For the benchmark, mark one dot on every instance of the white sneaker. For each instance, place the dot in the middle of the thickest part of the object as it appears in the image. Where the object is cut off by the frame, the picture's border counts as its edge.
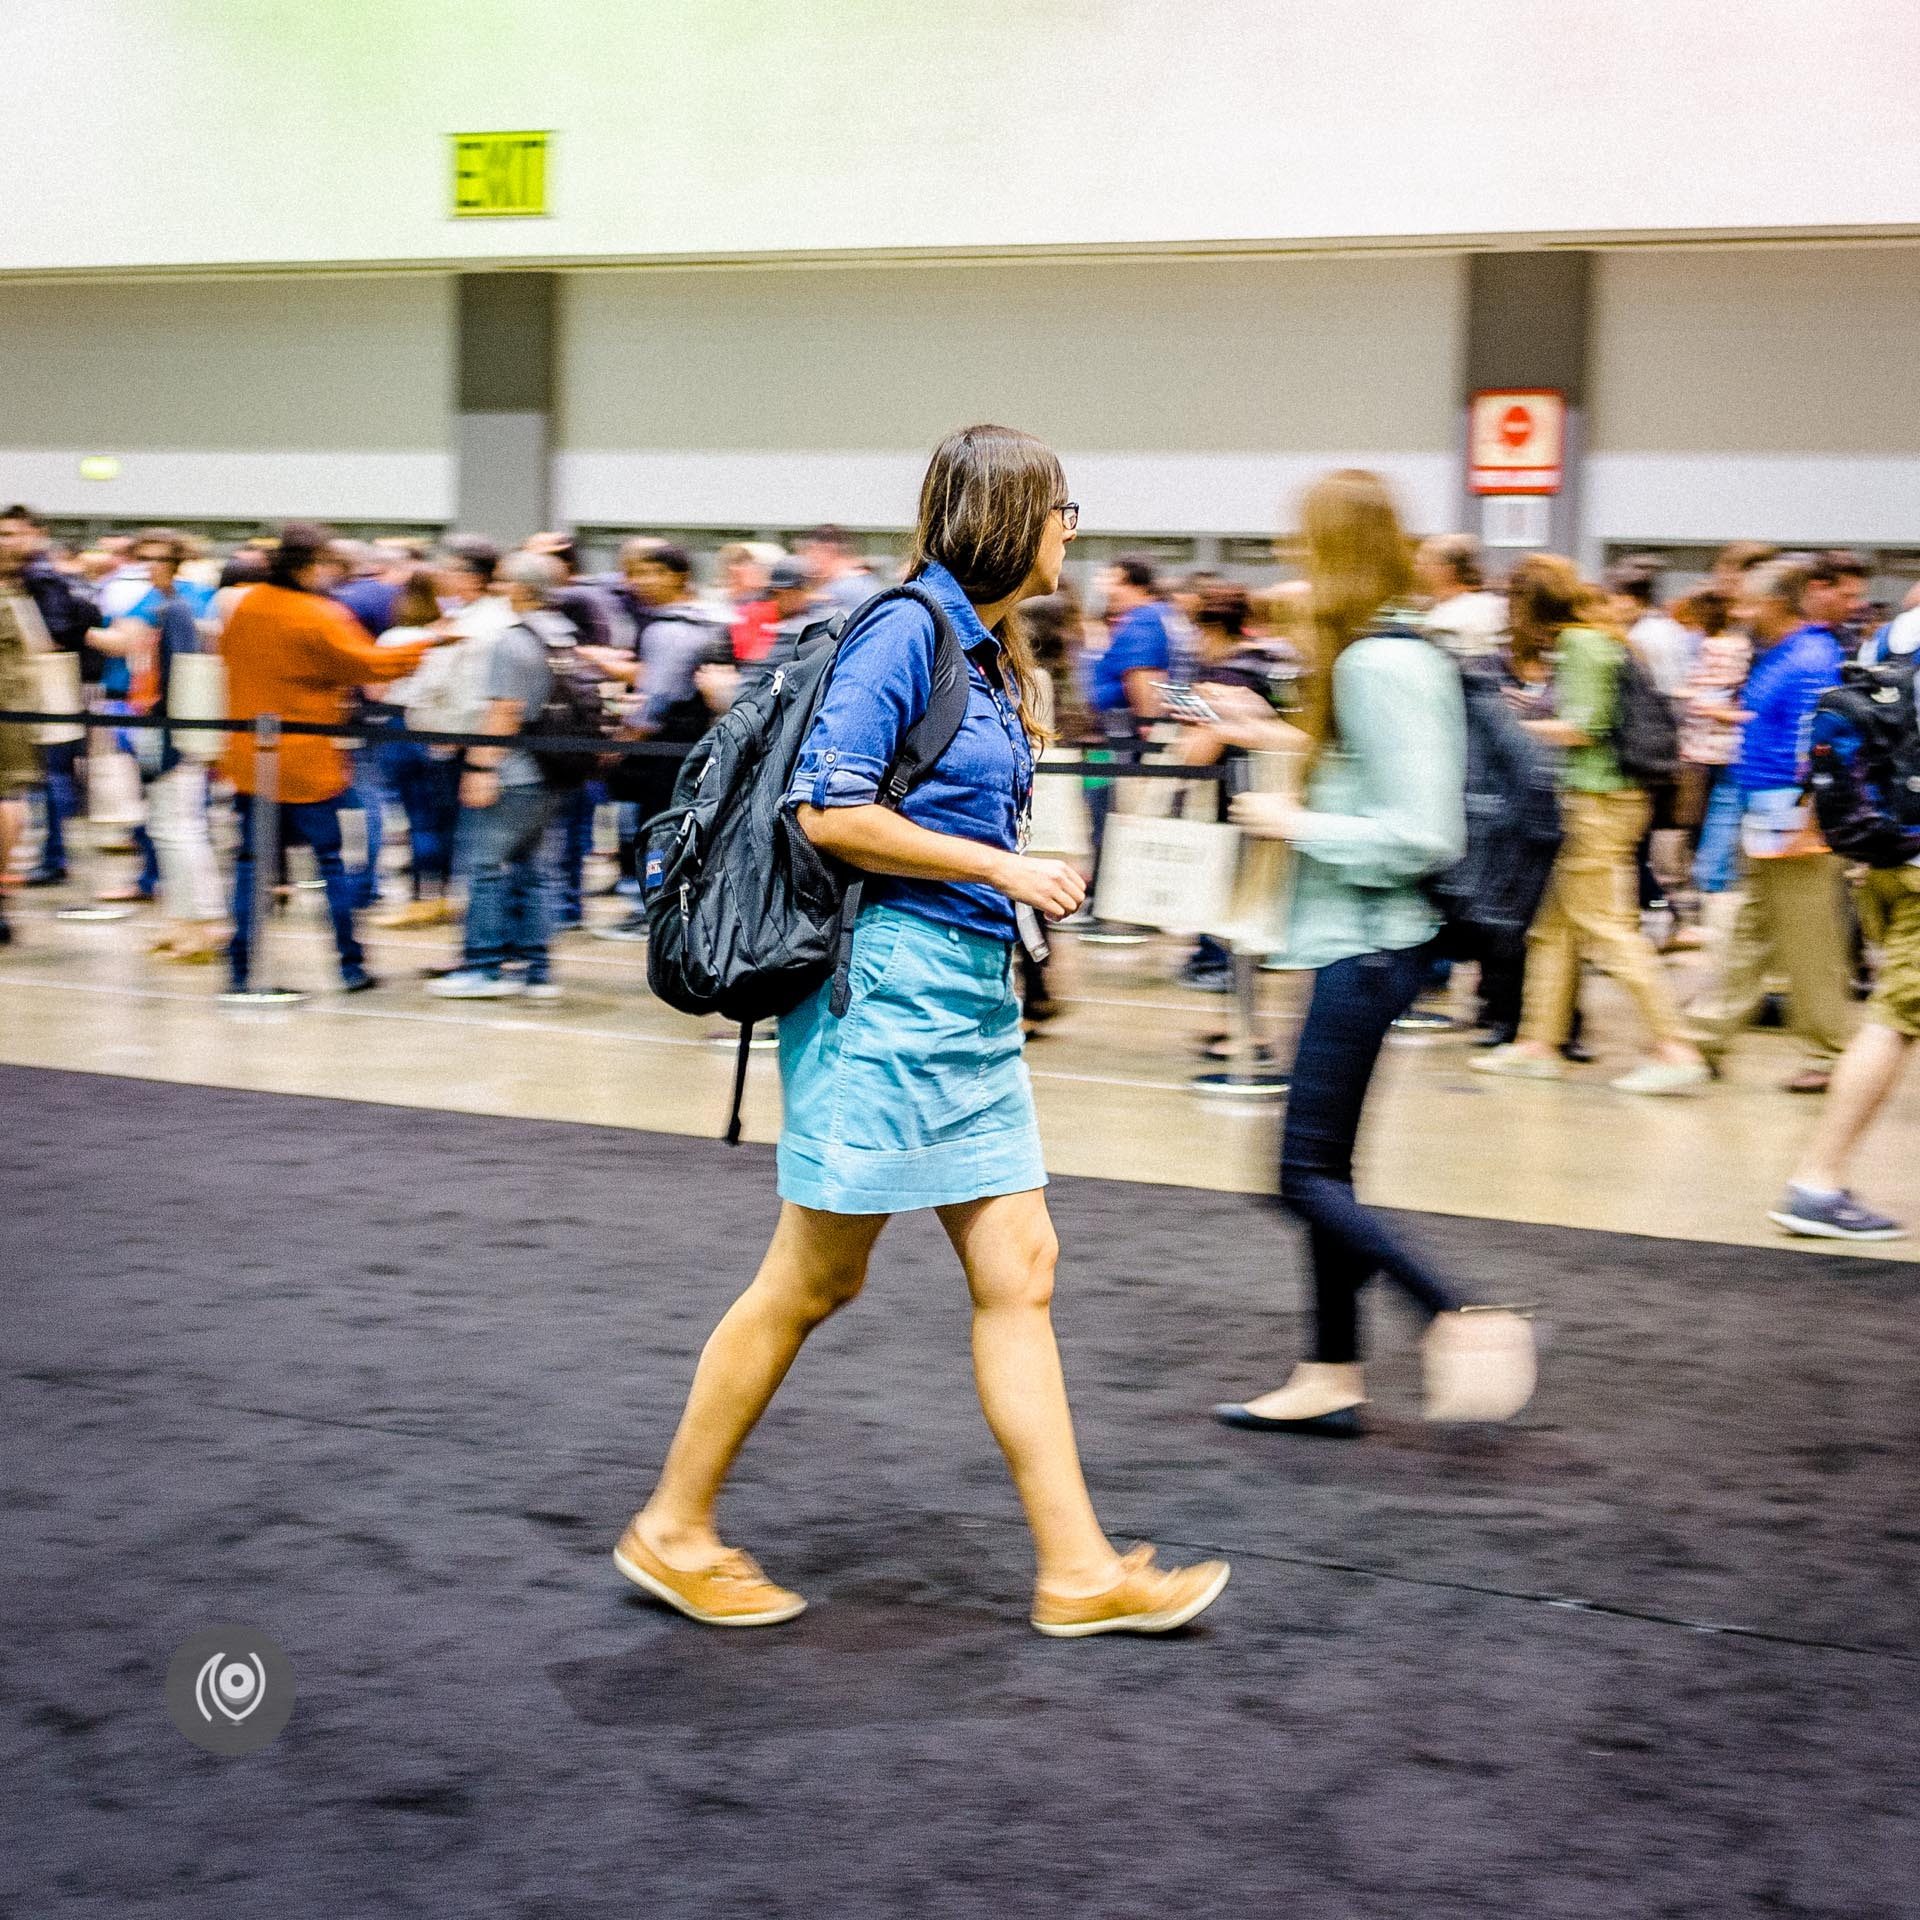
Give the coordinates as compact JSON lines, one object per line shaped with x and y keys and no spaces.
{"x":468,"y":984}
{"x":543,"y":990}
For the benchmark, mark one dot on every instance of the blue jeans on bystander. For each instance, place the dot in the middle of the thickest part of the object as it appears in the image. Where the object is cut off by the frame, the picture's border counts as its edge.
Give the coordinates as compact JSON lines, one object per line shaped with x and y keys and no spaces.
{"x":506,"y":885}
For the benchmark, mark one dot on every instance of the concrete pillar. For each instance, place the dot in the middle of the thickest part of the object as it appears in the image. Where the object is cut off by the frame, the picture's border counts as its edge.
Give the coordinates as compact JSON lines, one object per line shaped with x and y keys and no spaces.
{"x":503,"y":458}
{"x":1527,"y":326}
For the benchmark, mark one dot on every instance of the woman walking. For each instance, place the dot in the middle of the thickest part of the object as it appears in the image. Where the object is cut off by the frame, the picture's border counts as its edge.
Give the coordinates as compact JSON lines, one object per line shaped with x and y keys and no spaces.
{"x":427,"y":779}
{"x":1383,"y":742}
{"x":918,"y":1095}
{"x":1591,"y":910}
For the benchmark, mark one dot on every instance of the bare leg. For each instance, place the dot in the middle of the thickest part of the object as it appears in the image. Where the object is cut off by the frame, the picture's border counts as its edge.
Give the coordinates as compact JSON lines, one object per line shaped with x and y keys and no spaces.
{"x":1865,"y":1075}
{"x":816,"y":1264}
{"x":1008,"y":1248}
{"x":11,"y":815}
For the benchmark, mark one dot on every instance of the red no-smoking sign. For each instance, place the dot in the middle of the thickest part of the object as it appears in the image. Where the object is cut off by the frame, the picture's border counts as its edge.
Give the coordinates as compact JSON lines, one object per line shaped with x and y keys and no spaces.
{"x":1516,"y":440}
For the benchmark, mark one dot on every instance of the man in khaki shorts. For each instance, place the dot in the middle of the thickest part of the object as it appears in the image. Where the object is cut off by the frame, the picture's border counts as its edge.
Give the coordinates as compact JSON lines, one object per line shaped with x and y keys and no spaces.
{"x":1818,"y":1202}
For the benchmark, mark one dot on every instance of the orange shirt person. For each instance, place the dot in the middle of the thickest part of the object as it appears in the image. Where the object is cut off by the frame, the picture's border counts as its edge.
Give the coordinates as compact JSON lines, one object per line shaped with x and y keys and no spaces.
{"x":293,"y":652}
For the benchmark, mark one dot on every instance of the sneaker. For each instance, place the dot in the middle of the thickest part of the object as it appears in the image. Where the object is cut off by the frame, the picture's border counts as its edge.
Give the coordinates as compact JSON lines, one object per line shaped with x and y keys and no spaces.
{"x":1145,"y":1599}
{"x":1516,"y":1065}
{"x":357,"y":980}
{"x":542,"y":990}
{"x":1206,"y":979}
{"x":1833,"y":1216}
{"x":1664,"y":1077}
{"x":46,"y":877}
{"x":471,"y":984}
{"x":633,"y":928}
{"x":731,"y":1592}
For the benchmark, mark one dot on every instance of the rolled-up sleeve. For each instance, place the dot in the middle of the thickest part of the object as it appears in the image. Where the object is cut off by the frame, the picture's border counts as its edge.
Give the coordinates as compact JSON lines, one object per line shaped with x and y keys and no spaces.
{"x":1403,"y":727}
{"x":880,"y":685}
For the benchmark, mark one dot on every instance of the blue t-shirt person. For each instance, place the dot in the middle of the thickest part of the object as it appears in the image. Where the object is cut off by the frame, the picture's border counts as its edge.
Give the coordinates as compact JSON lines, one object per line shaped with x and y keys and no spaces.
{"x":981,"y":787}
{"x":1141,"y":638}
{"x":1783,"y":687}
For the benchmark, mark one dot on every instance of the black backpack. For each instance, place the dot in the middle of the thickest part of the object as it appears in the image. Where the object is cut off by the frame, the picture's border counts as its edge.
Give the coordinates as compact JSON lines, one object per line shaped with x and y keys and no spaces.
{"x":1646,"y":731}
{"x":572,"y":711}
{"x":1489,"y":896}
{"x":745,"y":918}
{"x":1865,"y":765}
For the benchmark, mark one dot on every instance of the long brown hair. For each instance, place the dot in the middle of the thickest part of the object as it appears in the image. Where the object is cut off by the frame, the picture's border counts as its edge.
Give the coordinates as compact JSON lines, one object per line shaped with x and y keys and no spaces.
{"x":415,"y":605}
{"x":983,"y":513}
{"x":1358,"y":562}
{"x":1545,"y":596}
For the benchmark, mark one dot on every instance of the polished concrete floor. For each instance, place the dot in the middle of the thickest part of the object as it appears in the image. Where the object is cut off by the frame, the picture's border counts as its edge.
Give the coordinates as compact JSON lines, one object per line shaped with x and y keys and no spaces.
{"x":1112,"y":1077}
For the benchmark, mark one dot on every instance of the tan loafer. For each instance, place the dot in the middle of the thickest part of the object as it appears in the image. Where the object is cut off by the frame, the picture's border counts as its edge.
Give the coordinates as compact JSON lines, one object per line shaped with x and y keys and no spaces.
{"x":729,"y":1592}
{"x":1145,"y":1599}
{"x":1479,"y":1364}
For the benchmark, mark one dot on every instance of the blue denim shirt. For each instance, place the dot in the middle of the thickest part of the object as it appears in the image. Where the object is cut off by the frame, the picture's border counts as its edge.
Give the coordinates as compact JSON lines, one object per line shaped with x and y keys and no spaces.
{"x":1783,"y":687}
{"x":980,"y":789}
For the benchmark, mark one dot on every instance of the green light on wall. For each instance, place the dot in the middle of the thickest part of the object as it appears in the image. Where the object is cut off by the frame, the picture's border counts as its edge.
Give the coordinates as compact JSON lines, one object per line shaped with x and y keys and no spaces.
{"x":99,"y":466}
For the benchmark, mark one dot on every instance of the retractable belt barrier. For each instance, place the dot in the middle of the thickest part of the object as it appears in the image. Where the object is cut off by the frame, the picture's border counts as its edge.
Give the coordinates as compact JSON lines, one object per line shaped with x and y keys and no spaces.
{"x":267,"y":730}
{"x":370,"y":733}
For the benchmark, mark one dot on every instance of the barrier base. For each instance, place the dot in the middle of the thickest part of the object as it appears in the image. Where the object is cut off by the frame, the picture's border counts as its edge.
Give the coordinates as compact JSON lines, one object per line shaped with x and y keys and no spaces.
{"x":1257,"y":1085}
{"x":262,"y":997}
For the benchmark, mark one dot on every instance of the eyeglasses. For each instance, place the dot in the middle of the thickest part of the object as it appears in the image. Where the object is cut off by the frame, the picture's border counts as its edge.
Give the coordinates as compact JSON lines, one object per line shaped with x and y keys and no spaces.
{"x":1069,"y":512}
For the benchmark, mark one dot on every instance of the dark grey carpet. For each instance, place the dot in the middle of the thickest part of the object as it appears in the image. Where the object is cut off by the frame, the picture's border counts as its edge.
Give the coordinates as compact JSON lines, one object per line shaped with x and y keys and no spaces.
{"x":386,"y":1384}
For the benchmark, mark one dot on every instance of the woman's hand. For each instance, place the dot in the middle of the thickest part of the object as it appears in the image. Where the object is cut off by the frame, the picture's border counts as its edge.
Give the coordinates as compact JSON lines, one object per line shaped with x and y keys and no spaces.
{"x":1051,"y":887}
{"x":717,"y":684}
{"x":1268,"y":816}
{"x":1247,"y":721}
{"x":479,"y":787}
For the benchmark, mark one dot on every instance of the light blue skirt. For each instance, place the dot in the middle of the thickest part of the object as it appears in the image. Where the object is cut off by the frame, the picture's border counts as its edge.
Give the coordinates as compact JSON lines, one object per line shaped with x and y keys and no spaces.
{"x":918,"y":1096}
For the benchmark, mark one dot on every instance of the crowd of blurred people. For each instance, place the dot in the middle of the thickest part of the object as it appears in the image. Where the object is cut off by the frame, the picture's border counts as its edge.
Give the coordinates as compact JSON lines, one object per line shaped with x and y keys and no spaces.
{"x":1681,"y":834}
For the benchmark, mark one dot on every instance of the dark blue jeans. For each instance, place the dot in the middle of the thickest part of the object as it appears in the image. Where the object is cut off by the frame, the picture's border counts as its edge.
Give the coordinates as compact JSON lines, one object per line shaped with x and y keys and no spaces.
{"x":60,"y":801}
{"x":506,"y":885}
{"x":314,"y":824}
{"x":1354,"y":1003}
{"x":369,"y":794}
{"x":575,"y":823}
{"x":429,"y":794}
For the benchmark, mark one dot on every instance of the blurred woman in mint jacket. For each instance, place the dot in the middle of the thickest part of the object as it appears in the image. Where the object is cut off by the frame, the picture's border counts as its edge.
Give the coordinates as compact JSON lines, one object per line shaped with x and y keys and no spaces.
{"x":1382,"y":745}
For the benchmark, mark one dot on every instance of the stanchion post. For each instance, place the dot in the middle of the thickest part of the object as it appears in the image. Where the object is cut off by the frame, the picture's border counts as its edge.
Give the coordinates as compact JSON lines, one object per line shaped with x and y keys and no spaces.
{"x":266,"y":833}
{"x":264,"y":819}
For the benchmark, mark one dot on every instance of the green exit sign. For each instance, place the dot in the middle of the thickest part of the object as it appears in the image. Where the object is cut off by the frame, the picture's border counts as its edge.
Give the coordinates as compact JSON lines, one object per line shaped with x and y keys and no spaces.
{"x":499,"y":175}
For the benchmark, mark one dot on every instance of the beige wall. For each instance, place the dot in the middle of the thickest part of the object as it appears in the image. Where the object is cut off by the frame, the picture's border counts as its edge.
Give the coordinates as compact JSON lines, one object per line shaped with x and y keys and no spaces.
{"x":1758,"y":351}
{"x":321,"y":361}
{"x":1248,"y":356}
{"x":1186,"y":397}
{"x":1756,"y":393}
{"x":245,"y":132}
{"x":325,"y":394}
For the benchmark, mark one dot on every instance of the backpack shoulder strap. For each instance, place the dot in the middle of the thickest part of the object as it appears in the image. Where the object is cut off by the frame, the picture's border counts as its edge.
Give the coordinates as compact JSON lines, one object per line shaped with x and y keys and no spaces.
{"x":932,"y":734}
{"x":926,"y":740}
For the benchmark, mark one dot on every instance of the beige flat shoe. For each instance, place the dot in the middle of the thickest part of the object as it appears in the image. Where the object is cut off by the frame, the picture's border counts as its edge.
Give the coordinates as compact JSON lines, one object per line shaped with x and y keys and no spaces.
{"x":1145,"y":1599}
{"x":1480,"y":1364}
{"x":729,"y":1592}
